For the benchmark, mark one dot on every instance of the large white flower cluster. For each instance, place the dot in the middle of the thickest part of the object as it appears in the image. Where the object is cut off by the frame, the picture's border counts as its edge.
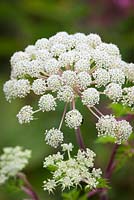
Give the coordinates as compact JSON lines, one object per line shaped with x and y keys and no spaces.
{"x":67,"y":67}
{"x":12,"y":161}
{"x":73,"y":171}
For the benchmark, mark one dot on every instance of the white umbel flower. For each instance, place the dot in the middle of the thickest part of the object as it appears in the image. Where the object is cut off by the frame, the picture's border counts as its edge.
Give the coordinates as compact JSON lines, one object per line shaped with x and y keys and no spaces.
{"x":86,"y":157}
{"x":73,"y":119}
{"x":25,"y":115}
{"x":102,"y":59}
{"x":82,"y":65}
{"x":83,"y":55}
{"x":52,"y":159}
{"x":84,"y":80}
{"x":123,"y":131}
{"x":59,"y":38}
{"x":52,"y":66}
{"x":69,"y":78}
{"x":54,"y":82}
{"x":49,"y":185}
{"x":117,"y":76}
{"x":129,"y":71}
{"x":93,"y":40}
{"x":8,"y":89}
{"x":58,"y":49}
{"x":22,"y":88}
{"x":106,"y":126}
{"x":12,"y":161}
{"x":101,"y":77}
{"x":20,"y":69}
{"x":47,"y":103}
{"x":90,"y":97}
{"x":128,"y":96}
{"x":16,"y":88}
{"x":82,"y":47}
{"x":67,"y":58}
{"x":42,"y":43}
{"x":30,"y":49}
{"x":67,"y":147}
{"x":110,"y":49}
{"x":39,"y":86}
{"x":97,"y":172}
{"x":80,"y":38}
{"x":42,"y":55}
{"x":19,"y":56}
{"x":35,"y":68}
{"x":54,"y":137}
{"x":72,"y":171}
{"x":65,"y":94}
{"x":113,"y":91}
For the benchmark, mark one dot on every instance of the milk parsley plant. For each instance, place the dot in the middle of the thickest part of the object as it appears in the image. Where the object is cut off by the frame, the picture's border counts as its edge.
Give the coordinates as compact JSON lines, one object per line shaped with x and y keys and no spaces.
{"x":65,"y":68}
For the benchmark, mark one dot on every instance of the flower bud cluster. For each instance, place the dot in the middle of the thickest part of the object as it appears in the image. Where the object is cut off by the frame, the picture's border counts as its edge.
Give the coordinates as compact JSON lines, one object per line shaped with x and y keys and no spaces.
{"x":73,"y":171}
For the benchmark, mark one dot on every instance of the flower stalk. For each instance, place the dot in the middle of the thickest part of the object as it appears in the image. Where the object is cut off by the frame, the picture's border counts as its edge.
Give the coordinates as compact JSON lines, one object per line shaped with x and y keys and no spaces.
{"x":27,"y":188}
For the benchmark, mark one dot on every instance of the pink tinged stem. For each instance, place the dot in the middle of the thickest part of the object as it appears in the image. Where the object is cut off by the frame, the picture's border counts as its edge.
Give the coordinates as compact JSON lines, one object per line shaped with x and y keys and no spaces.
{"x":63,"y":115}
{"x":93,"y":112}
{"x":80,"y":139}
{"x":97,"y":110}
{"x":111,"y":163}
{"x":27,"y":188}
{"x":103,"y":195}
{"x":94,"y":192}
{"x":78,"y":134}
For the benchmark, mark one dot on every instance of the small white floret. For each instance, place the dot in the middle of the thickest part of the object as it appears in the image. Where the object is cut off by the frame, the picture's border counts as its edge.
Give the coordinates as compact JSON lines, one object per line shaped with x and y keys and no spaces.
{"x":47,"y":103}
{"x":90,"y":97}
{"x":73,"y":119}
{"x":54,"y":137}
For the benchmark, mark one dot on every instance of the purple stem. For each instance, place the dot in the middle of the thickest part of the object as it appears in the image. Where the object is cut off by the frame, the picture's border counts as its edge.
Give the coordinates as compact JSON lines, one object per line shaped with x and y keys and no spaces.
{"x":78,"y":134}
{"x":93,"y":192}
{"x":111,"y":163}
{"x":128,"y":117}
{"x":80,"y":139}
{"x":27,"y":188}
{"x":103,"y":195}
{"x":28,"y":192}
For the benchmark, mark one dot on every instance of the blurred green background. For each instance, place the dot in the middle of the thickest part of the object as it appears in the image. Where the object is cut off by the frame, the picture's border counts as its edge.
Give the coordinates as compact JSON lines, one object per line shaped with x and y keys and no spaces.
{"x":22,"y":22}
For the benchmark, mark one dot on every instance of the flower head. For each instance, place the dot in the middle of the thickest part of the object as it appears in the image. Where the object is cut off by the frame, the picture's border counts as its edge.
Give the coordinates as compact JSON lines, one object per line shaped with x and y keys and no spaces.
{"x":47,"y":102}
{"x":12,"y":161}
{"x":25,"y":115}
{"x":90,"y":97}
{"x":72,"y":171}
{"x":70,"y":67}
{"x":54,"y":137}
{"x":73,"y":119}
{"x":39,"y":86}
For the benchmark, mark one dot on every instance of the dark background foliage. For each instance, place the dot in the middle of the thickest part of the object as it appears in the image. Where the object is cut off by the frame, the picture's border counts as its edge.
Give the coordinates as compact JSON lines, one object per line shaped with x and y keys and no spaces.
{"x":22,"y":22}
